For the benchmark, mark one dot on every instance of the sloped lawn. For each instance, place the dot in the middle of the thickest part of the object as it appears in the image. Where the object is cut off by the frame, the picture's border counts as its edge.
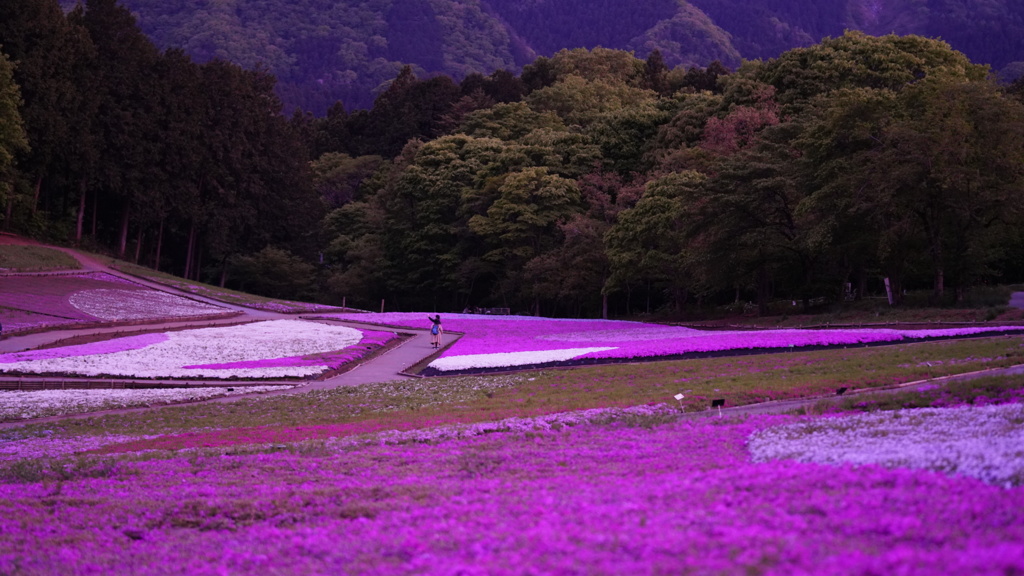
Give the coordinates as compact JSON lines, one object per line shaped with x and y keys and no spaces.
{"x":40,"y":302}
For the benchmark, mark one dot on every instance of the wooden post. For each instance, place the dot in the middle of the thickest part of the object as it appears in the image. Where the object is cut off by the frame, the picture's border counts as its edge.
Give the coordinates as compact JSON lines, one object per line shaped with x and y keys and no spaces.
{"x":381,"y":305}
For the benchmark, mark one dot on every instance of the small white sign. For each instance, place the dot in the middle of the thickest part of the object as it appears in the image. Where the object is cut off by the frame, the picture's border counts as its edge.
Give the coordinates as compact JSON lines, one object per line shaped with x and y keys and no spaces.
{"x":679,"y":396}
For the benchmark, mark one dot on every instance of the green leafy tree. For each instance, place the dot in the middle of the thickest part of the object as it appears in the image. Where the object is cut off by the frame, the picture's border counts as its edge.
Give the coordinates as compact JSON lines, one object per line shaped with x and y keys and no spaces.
{"x":939,"y":163}
{"x":510,"y":121}
{"x":127,"y":123}
{"x":581,"y":102}
{"x":337,"y":177}
{"x":648,"y":242}
{"x":522,"y":223}
{"x":856,"y":59}
{"x":54,"y":59}
{"x":573,"y":273}
{"x":12,"y":133}
{"x":274,"y":273}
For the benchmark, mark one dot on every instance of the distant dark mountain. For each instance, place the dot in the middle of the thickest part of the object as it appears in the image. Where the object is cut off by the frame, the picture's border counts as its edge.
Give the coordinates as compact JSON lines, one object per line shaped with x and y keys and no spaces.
{"x":989,"y":32}
{"x":323,"y":51}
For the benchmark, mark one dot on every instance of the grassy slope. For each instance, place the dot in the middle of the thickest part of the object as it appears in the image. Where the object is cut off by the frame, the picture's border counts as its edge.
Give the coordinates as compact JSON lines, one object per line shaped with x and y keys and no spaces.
{"x":208,"y":291}
{"x":20,"y":258}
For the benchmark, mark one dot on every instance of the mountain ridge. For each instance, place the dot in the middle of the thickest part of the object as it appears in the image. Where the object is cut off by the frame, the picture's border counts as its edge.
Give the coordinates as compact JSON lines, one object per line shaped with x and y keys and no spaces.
{"x":323,"y":52}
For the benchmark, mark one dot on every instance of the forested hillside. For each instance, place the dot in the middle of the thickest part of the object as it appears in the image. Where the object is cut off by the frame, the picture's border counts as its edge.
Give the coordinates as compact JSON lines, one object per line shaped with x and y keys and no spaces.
{"x":592,"y":181}
{"x":322,"y":51}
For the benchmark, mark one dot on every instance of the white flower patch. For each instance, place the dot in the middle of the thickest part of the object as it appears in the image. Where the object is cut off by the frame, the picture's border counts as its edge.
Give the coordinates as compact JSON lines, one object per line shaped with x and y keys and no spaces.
{"x":16,"y":405}
{"x":983,"y":442}
{"x":112,"y":304}
{"x":508,"y":359}
{"x":220,"y":345}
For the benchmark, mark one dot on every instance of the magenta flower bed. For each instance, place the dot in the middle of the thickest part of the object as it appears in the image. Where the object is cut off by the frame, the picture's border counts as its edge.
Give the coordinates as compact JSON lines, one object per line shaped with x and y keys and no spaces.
{"x":102,"y":347}
{"x":495,"y":342}
{"x":683,"y":498}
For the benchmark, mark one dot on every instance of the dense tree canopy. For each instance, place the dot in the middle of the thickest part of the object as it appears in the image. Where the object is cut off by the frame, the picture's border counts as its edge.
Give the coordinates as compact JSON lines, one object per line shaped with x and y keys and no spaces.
{"x":12,"y":132}
{"x":178,"y":165}
{"x":593,"y":183}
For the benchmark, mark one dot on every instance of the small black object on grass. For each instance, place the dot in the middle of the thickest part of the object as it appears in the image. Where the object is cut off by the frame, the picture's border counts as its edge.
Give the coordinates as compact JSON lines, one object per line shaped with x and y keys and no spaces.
{"x":841,"y":391}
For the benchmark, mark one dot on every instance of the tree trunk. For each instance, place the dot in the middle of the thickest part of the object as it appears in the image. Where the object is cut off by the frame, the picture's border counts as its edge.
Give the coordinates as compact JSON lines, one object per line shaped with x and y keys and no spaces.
{"x":81,"y":214}
{"x":762,"y":292}
{"x":199,"y":260}
{"x":95,"y":203}
{"x":862,"y":284}
{"x":939,"y":284}
{"x":604,"y":306}
{"x":188,"y":251}
{"x":138,"y":244}
{"x":935,"y":250}
{"x":159,"y":245}
{"x":35,"y":197}
{"x":123,"y":242}
{"x":223,"y":271}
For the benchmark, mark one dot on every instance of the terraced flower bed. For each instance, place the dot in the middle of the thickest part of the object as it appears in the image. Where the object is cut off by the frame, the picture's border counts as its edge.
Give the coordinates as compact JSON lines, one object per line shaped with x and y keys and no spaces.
{"x":502,"y":342}
{"x":259,"y":350}
{"x":36,"y":302}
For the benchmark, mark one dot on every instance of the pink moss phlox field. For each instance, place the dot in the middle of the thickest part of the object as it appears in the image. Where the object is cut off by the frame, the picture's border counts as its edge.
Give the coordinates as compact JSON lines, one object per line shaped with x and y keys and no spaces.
{"x":516,"y":334}
{"x":103,"y":347}
{"x":372,"y":340}
{"x":680,"y":498}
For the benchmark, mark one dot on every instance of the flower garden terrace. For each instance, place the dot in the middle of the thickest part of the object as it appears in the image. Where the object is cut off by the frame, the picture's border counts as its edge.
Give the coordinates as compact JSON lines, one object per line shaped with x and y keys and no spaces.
{"x":589,"y":470}
{"x":300,"y":348}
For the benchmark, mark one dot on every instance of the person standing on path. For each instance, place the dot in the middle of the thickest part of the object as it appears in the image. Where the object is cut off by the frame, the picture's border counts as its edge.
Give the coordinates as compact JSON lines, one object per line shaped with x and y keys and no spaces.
{"x":435,"y":331}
